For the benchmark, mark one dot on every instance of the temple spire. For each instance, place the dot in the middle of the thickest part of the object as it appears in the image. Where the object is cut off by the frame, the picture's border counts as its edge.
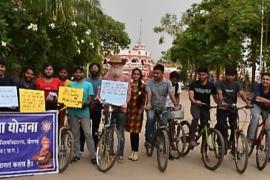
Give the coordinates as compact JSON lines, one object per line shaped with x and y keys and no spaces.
{"x":140,"y":33}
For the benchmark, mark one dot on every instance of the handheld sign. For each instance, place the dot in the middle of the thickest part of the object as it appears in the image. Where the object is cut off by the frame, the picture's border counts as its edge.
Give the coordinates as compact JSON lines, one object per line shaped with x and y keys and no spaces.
{"x":8,"y":96}
{"x":32,"y":100}
{"x":71,"y":97}
{"x":114,"y":92}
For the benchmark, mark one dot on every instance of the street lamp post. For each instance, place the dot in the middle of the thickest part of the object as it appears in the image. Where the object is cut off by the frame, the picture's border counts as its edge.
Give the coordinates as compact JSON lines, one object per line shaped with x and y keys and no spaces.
{"x":261,"y":45}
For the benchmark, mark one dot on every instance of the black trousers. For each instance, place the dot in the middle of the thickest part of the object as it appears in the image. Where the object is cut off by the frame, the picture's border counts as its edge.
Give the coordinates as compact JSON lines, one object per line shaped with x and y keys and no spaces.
{"x":222,"y":116}
{"x":198,"y":113}
{"x":95,"y":115}
{"x":134,"y":140}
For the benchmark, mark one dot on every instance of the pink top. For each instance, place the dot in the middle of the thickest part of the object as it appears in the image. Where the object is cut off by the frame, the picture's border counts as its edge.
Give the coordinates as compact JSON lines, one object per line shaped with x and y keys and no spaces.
{"x":123,"y":78}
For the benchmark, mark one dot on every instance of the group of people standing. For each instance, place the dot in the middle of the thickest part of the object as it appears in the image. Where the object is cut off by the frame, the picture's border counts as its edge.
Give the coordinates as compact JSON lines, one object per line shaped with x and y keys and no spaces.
{"x":85,"y":121}
{"x":156,"y":93}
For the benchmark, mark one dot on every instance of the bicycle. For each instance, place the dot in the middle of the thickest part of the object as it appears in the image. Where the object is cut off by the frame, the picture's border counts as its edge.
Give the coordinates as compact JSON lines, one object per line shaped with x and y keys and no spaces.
{"x":176,"y":135}
{"x":261,"y":142}
{"x":212,"y":145}
{"x":160,"y":139}
{"x":108,"y":144}
{"x":65,"y":142}
{"x":239,"y":148}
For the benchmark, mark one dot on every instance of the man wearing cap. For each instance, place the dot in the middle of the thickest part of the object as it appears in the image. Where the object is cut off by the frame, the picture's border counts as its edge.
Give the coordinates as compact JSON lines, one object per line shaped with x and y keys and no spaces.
{"x":119,"y":112}
{"x":80,"y":116}
{"x":228,"y":89}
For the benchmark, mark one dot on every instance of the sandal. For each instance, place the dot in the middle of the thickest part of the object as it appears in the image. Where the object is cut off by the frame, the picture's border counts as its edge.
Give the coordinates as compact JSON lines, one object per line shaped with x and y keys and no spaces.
{"x":121,"y":159}
{"x":135,"y":157}
{"x":131,"y":156}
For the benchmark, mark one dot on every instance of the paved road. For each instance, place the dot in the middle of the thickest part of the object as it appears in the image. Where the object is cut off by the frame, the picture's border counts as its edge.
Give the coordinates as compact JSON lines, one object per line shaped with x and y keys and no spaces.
{"x":189,"y":167}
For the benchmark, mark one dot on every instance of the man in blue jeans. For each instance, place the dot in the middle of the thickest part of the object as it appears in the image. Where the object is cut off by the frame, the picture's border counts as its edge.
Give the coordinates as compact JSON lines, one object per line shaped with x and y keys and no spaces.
{"x":261,"y":106}
{"x":157,"y":90}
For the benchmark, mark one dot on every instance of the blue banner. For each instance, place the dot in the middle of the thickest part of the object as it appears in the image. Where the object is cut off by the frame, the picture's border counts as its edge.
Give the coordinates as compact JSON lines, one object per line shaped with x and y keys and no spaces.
{"x":28,"y":143}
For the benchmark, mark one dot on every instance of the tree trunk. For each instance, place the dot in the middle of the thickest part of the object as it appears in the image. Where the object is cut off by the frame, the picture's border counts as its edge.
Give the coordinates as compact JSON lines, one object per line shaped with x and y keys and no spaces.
{"x":218,"y":73}
{"x":265,"y":42}
{"x":253,"y":60}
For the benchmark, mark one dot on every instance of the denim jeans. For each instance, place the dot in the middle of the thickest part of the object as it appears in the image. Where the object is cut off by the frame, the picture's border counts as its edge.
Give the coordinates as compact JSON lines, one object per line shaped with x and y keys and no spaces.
{"x":149,"y":127}
{"x":119,"y":118}
{"x":75,"y":123}
{"x":256,"y":112}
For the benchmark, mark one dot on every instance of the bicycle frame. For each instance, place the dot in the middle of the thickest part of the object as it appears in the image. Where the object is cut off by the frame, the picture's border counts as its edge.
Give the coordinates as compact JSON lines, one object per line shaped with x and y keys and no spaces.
{"x":205,"y":129}
{"x":159,"y":123}
{"x":263,"y":129}
{"x":237,"y":109}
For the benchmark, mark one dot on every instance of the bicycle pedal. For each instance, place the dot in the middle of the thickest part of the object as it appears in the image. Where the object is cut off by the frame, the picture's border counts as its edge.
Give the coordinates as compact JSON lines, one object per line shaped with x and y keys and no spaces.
{"x":98,"y":134}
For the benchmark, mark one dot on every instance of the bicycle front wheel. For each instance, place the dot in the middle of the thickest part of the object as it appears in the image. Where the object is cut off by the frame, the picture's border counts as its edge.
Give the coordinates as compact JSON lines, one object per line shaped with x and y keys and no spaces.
{"x":177,"y":141}
{"x":240,"y":152}
{"x":212,"y":149}
{"x":186,"y":139}
{"x":107,"y":149}
{"x":253,"y":143}
{"x":262,"y":150}
{"x":65,"y":149}
{"x":162,"y":149}
{"x":149,"y":149}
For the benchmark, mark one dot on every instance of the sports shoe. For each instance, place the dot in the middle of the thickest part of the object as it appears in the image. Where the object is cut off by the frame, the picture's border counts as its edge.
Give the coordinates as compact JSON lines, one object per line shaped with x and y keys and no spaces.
{"x":75,"y":159}
{"x":171,"y":157}
{"x":94,"y":161}
{"x":147,"y":144}
{"x":192,"y":144}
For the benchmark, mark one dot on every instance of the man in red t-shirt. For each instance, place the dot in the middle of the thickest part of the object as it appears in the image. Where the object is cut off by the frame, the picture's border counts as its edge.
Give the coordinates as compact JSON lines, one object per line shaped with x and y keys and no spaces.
{"x":50,"y":85}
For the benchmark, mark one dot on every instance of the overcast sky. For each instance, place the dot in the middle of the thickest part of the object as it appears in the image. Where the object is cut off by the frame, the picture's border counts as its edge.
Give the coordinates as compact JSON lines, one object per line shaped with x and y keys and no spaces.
{"x":151,"y":11}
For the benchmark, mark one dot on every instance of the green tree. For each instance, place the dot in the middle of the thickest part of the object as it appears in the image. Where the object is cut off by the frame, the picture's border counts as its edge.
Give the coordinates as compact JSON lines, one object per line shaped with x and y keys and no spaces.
{"x":70,"y":32}
{"x":212,"y":33}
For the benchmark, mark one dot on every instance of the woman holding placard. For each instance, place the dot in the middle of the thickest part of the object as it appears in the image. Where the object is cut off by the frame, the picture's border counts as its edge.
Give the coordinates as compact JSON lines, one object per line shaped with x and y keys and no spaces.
{"x":49,"y":85}
{"x":135,"y":109}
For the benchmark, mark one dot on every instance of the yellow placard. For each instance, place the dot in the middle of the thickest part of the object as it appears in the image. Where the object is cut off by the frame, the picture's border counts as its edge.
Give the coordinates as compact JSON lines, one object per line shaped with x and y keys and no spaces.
{"x":32,"y":100}
{"x":71,"y":97}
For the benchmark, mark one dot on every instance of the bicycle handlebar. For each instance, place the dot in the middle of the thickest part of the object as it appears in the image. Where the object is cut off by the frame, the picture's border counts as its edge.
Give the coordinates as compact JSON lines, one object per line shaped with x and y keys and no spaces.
{"x":209,"y":106}
{"x":224,"y":106}
{"x":235,"y":106}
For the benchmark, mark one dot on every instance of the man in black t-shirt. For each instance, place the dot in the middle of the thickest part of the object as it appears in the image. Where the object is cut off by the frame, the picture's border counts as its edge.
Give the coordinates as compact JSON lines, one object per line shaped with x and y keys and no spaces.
{"x":27,"y":78}
{"x":200,"y":92}
{"x":228,"y":90}
{"x":5,"y":81}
